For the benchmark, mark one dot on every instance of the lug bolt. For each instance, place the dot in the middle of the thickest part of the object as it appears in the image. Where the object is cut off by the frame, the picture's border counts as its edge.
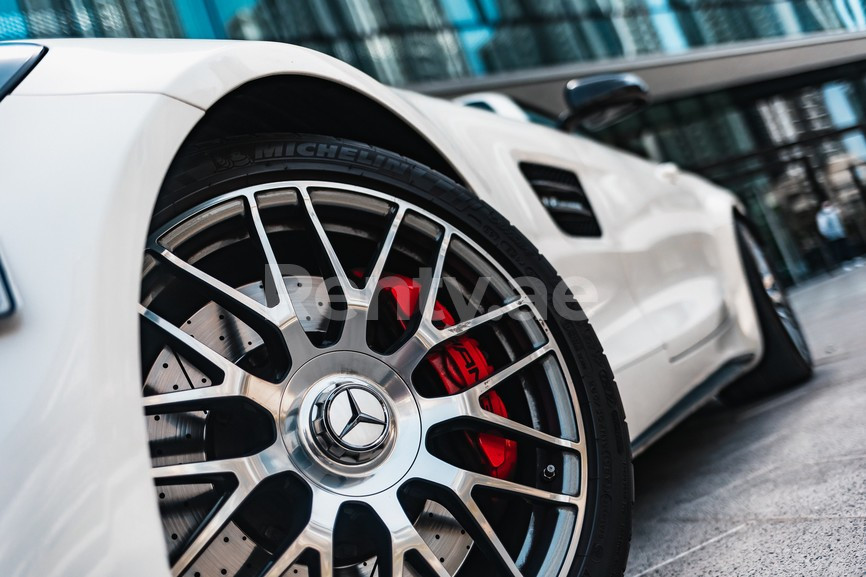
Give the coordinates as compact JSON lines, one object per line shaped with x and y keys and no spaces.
{"x":549,"y":473}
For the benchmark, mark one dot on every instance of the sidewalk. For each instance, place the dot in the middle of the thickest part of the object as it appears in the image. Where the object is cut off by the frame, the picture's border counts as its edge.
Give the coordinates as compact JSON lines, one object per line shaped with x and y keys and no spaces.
{"x":777,"y":488}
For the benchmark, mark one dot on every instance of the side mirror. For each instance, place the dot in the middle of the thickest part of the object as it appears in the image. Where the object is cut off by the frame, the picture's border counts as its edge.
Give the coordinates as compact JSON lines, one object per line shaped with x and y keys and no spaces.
{"x":597,"y":102}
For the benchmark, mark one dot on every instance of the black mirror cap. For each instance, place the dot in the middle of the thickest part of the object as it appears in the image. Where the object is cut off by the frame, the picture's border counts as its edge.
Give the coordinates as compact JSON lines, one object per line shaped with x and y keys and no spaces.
{"x":17,"y":59}
{"x":596,"y":102}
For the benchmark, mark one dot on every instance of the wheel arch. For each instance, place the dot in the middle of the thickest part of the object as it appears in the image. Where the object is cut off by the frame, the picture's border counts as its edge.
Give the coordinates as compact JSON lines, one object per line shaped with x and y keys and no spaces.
{"x":315,"y":105}
{"x":290,"y":88}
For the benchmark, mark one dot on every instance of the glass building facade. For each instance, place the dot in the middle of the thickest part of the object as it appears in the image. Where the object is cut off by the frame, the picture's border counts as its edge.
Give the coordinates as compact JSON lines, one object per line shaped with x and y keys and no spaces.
{"x":410,"y":41}
{"x":784,"y":146}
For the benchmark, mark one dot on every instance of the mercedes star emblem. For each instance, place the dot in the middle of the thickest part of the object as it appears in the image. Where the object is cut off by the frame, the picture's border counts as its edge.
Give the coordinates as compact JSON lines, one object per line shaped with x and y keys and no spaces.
{"x":356,"y":417}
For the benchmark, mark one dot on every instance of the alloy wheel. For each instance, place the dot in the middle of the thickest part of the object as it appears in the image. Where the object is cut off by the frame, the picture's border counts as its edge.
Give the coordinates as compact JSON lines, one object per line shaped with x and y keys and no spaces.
{"x":339,"y":382}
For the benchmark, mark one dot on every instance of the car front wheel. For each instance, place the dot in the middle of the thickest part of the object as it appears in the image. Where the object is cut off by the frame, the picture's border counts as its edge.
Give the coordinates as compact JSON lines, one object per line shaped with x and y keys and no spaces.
{"x":347,"y":373}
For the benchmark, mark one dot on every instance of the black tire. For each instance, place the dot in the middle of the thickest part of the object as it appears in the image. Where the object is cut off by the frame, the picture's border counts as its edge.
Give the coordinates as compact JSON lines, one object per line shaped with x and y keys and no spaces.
{"x":784,"y":363}
{"x":204,"y":171}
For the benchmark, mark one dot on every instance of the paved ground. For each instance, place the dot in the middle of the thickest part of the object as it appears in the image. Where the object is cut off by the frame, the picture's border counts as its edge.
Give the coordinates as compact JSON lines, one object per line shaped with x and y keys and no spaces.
{"x":777,"y":488}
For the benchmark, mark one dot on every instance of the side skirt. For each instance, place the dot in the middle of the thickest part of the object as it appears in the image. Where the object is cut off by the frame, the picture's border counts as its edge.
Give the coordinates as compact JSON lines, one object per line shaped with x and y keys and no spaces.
{"x":712,"y":386}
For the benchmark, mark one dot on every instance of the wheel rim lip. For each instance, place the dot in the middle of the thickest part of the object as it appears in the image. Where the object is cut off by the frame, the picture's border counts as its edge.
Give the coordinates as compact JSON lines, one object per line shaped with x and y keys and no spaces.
{"x":795,"y":332}
{"x":295,"y":185}
{"x":778,"y":299}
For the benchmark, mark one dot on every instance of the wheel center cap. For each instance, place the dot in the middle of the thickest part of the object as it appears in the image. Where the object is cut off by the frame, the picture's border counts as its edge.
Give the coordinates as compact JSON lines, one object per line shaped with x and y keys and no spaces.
{"x":351,"y":422}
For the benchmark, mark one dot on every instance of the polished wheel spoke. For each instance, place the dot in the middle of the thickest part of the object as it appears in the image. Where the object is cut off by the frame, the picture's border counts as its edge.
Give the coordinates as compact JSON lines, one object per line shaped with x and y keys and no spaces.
{"x":487,"y":538}
{"x":233,"y":300}
{"x":410,"y":354}
{"x":490,"y":316}
{"x":524,"y":431}
{"x":241,"y":468}
{"x":260,"y":391}
{"x":354,"y":296}
{"x":430,"y":291}
{"x":404,"y":537}
{"x":190,"y":397}
{"x":235,"y":383}
{"x":230,"y":371}
{"x":384,"y":253}
{"x":210,"y":529}
{"x":320,"y":530}
{"x":428,"y":335}
{"x":500,"y":376}
{"x":283,"y":313}
{"x":247,"y":472}
{"x":532,"y":493}
{"x":439,"y":410}
{"x":288,"y":557}
{"x":317,"y":535}
{"x":462,"y":482}
{"x":466,"y":403}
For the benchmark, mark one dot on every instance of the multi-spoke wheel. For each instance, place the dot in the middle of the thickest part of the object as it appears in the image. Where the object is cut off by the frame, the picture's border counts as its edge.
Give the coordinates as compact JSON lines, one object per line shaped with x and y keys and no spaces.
{"x":346,"y":374}
{"x":787,"y":360}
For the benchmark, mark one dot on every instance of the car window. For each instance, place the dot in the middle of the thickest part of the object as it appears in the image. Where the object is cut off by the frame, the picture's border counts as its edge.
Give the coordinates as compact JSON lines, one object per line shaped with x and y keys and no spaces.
{"x":479,"y":104}
{"x":538,"y":116}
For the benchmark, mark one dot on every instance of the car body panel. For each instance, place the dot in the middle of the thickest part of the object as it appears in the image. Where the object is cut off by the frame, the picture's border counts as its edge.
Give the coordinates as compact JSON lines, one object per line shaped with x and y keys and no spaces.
{"x":665,"y":275}
{"x":201,"y":72}
{"x":76,"y":468}
{"x":86,"y":140}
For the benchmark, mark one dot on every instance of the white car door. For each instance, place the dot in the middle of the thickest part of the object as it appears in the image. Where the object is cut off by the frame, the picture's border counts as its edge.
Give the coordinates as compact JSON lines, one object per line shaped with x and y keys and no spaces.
{"x":650,"y":283}
{"x":592,"y":266}
{"x":669,"y":252}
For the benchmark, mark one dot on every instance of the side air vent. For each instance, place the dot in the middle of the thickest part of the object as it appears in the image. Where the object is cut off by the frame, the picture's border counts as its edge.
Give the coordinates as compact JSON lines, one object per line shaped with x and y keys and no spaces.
{"x":564,"y":198}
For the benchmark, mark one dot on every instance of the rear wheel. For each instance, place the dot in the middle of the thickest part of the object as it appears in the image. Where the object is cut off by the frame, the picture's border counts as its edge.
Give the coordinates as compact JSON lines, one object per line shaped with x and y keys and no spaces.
{"x":343,"y":376}
{"x":787,"y":360}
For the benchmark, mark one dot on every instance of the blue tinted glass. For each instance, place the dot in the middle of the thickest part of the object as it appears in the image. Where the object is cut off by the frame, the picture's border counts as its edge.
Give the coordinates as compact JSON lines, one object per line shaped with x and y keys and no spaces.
{"x":839,"y":106}
{"x":411,"y":41}
{"x":12,"y":22}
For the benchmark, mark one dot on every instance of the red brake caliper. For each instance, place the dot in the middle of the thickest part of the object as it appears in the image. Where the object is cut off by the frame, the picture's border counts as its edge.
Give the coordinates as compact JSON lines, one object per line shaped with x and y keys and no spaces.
{"x":460,"y":365}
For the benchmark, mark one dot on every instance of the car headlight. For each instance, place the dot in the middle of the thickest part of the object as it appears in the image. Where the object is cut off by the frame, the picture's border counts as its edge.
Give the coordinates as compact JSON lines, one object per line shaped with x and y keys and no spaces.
{"x":16,"y":61}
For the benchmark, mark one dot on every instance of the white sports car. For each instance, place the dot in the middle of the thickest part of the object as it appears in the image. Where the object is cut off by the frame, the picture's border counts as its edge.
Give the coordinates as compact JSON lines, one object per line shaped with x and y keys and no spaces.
{"x":264,"y":316}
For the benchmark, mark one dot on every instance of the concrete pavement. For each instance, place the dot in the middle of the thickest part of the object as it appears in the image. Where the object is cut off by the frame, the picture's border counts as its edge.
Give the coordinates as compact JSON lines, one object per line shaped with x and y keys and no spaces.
{"x":777,"y":488}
